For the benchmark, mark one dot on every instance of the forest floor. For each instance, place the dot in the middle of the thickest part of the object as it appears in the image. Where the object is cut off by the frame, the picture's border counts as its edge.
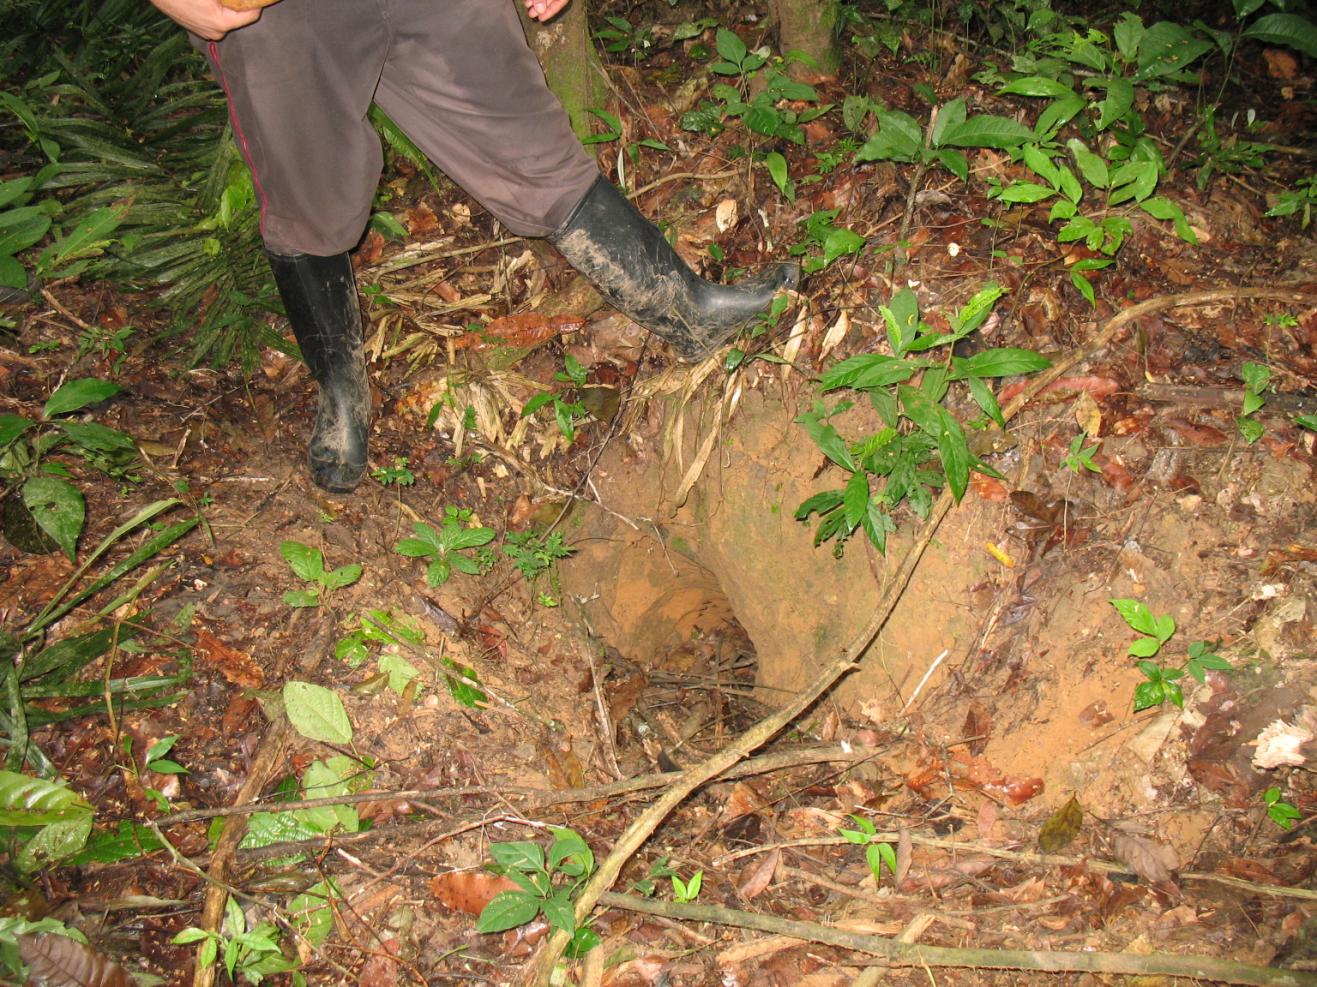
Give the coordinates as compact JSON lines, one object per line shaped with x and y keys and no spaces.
{"x":982,"y":782}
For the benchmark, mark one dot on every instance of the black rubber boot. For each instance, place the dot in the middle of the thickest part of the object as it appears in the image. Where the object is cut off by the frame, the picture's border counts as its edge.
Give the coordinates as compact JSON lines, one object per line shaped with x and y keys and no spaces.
{"x":625,"y":256}
{"x":320,"y":297}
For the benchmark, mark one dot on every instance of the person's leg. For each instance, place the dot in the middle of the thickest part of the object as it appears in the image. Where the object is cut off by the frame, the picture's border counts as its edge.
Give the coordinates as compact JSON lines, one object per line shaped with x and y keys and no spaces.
{"x":299,"y":83}
{"x":462,"y":82}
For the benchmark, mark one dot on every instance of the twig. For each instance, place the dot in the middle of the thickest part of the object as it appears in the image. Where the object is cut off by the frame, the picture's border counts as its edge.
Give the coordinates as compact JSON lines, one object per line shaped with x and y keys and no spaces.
{"x":899,"y":953}
{"x":423,"y":253}
{"x":536,"y":972}
{"x":677,"y":176}
{"x":54,"y":303}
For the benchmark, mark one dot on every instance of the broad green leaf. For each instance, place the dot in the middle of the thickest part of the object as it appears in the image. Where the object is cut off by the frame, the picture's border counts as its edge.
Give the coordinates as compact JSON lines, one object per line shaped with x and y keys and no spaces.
{"x":1119,"y":99}
{"x":11,"y":427}
{"x":128,"y":841}
{"x":988,"y":131}
{"x":1166,"y":49}
{"x":558,"y":912}
{"x":986,"y":400}
{"x":1092,"y":167}
{"x":312,"y":912}
{"x":1160,"y":207}
{"x":536,"y":402}
{"x":87,"y":239}
{"x":952,"y":447}
{"x":54,"y":843}
{"x":1004,"y":362}
{"x":855,"y":497}
{"x":58,"y":508}
{"x":1038,"y":85}
{"x":76,"y":394}
{"x":840,"y":242}
{"x":1285,"y":29}
{"x":899,"y":138}
{"x":1083,"y":285}
{"x":869,"y":370}
{"x":22,"y":227}
{"x":317,"y":713}
{"x":975,"y":311}
{"x":344,"y":575}
{"x":1025,"y":192}
{"x":1133,"y":180}
{"x":920,"y":409}
{"x":507,"y":910}
{"x":439,"y":571}
{"x":522,"y":855}
{"x":777,"y":170}
{"x":1057,"y":114}
{"x":954,"y":162}
{"x":464,"y":564}
{"x":1070,"y":186}
{"x":306,"y":562}
{"x":1041,"y":165}
{"x":469,"y":538}
{"x":820,"y":503}
{"x":12,"y":273}
{"x":98,"y":438}
{"x":1128,"y":32}
{"x":826,"y":437}
{"x":399,"y":670}
{"x":949,"y":117}
{"x":902,"y":317}
{"x":302,"y":597}
{"x":730,"y":46}
{"x":26,"y":801}
{"x":414,"y":548}
{"x":1145,"y":647}
{"x":1136,"y":614}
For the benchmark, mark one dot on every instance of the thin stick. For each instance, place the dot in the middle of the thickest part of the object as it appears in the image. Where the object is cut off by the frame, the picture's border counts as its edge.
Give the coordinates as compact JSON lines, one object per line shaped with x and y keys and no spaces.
{"x":537,"y":971}
{"x":898,"y":953}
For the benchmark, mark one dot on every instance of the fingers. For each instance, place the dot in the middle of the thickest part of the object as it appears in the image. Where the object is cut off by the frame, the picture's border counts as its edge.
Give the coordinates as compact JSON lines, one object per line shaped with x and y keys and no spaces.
{"x":543,"y":10}
{"x":207,"y":18}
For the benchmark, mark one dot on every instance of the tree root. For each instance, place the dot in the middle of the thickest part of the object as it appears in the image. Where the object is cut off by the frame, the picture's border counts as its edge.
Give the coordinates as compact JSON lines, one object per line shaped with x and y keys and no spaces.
{"x":905,"y":954}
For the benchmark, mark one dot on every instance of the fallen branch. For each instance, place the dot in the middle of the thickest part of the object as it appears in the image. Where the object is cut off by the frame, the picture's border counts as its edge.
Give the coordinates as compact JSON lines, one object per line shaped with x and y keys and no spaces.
{"x":898,"y":953}
{"x":538,"y":969}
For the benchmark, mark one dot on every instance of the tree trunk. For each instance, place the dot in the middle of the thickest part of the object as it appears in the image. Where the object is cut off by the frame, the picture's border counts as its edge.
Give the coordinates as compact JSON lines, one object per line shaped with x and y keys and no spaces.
{"x":809,"y":27}
{"x":569,"y":61}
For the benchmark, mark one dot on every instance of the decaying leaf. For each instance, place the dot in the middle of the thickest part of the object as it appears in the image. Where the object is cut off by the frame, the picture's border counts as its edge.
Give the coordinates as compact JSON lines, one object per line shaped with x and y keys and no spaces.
{"x":1151,"y":859}
{"x":468,"y":891}
{"x":1061,"y":827}
{"x":1281,"y":743}
{"x":58,"y":961}
{"x":1088,"y":415}
{"x":726,"y":215}
{"x":759,"y":876}
{"x":905,"y":853}
{"x":237,"y":667}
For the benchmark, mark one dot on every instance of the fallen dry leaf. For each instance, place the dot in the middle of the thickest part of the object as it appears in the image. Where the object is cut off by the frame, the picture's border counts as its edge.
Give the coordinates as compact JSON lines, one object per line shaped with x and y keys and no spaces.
{"x":58,"y":961}
{"x":468,"y":891}
{"x":1061,"y":827}
{"x":759,"y":875}
{"x":237,"y":667}
{"x":1151,"y":859}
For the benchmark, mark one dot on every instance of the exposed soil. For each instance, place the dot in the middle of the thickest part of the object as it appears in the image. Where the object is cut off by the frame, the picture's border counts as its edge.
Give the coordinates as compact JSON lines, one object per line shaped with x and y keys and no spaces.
{"x":999,"y":689}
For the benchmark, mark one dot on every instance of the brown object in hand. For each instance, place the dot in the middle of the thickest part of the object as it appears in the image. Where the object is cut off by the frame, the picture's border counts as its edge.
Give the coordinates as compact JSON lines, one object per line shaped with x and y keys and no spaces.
{"x":246,"y":4}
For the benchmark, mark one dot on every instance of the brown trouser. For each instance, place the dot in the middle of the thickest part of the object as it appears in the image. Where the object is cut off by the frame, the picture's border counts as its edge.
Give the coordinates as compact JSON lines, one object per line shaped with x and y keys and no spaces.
{"x":456,"y":75}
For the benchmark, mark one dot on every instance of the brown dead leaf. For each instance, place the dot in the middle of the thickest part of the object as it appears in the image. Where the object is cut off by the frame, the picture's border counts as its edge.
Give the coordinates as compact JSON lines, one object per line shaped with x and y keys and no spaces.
{"x":1061,"y":827}
{"x":986,"y":818}
{"x":1095,"y":714}
{"x":58,"y":961}
{"x":1064,"y":388}
{"x":643,"y":972}
{"x":977,"y":727}
{"x":1151,"y":859}
{"x":237,"y":667}
{"x":742,"y":801}
{"x":1280,"y":64}
{"x":1192,"y":434}
{"x":1088,"y":415}
{"x":759,"y":875}
{"x":468,"y":891}
{"x":381,"y":968}
{"x":989,"y":488}
{"x":624,"y":693}
{"x":905,"y":853}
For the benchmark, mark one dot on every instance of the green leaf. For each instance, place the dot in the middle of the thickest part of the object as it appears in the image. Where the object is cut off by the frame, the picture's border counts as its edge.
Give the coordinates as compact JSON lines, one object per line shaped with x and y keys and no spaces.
{"x":820,"y":503}
{"x":522,"y":855}
{"x":855,"y":498}
{"x":58,"y":509}
{"x":1057,"y":115}
{"x":26,"y":801}
{"x":954,"y":162}
{"x":1160,"y":207}
{"x":1145,"y":647}
{"x":1119,"y":99}
{"x":1092,"y":167}
{"x":88,"y":238}
{"x":899,"y":138}
{"x":840,"y":242}
{"x":1148,"y":694}
{"x":1250,"y":428}
{"x":1256,"y":377}
{"x":469,"y":538}
{"x":415,"y":548}
{"x":730,"y":46}
{"x":949,"y":116}
{"x":22,"y":227}
{"x":76,"y":394}
{"x":344,"y":575}
{"x":826,"y":437}
{"x":98,"y":438}
{"x":1136,"y":614}
{"x":988,"y":131}
{"x":507,"y":910}
{"x":777,"y":170}
{"x":902,"y":317}
{"x":1038,"y":85}
{"x":559,"y":913}
{"x":953,"y":449}
{"x":54,"y":843}
{"x":1133,"y":180}
{"x":399,"y":670}
{"x":306,"y":562}
{"x":1128,"y":32}
{"x":1025,"y":192}
{"x":317,"y":713}
{"x":302,"y":597}
{"x":1285,"y":29}
{"x":986,"y":400}
{"x":1003,"y":362}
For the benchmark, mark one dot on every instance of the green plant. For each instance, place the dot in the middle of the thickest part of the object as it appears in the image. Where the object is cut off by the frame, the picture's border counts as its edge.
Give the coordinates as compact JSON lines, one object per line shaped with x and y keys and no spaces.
{"x":1282,"y":813}
{"x":544,"y":886}
{"x":41,"y":482}
{"x":376,"y":627}
{"x":252,"y":954}
{"x":533,"y":553}
{"x":154,"y":760}
{"x":687,"y":891}
{"x":1257,"y":378}
{"x":397,"y":474}
{"x":1156,"y":630}
{"x":824,"y":241}
{"x":1229,"y":154}
{"x":900,"y":137}
{"x":565,"y":413}
{"x":614,"y":133}
{"x":1159,"y":687}
{"x":42,"y":822}
{"x":107,"y":344}
{"x":446,"y":548}
{"x":877,"y":853}
{"x":36,"y":668}
{"x":1202,"y":658}
{"x":1298,"y":200}
{"x":621,"y":35}
{"x":921,"y":445}
{"x":1080,"y":456}
{"x":309,"y":564}
{"x":24,"y":223}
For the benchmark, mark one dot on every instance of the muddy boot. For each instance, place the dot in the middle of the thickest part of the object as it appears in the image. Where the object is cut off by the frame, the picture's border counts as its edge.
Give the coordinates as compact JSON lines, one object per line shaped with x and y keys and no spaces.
{"x":320,"y":297}
{"x":625,"y":256}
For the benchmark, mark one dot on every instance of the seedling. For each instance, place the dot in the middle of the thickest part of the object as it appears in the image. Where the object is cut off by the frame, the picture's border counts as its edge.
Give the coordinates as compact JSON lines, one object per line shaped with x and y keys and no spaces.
{"x":1282,"y":813}
{"x":658,"y":870}
{"x":921,"y":445}
{"x":1297,"y":201}
{"x":545,"y":886}
{"x":397,"y":474}
{"x":1159,"y":687}
{"x":155,"y":760}
{"x":824,"y":241}
{"x":253,"y":954}
{"x":1156,"y":630}
{"x":309,"y":564}
{"x":687,"y":891}
{"x":877,"y":853}
{"x":535,"y":554}
{"x":377,"y":627}
{"x":901,"y":137}
{"x":1257,"y":378}
{"x":1081,"y":457}
{"x":1202,"y":658}
{"x":565,"y":413}
{"x":446,"y":548}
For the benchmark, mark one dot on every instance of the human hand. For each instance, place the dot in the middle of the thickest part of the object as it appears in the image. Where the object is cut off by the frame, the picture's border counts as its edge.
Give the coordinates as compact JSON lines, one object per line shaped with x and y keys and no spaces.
{"x":209,"y":18}
{"x":544,"y":10}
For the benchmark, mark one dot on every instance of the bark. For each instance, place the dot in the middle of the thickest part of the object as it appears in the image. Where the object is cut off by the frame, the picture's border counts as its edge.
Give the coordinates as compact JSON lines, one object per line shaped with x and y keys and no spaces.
{"x":570,"y":63}
{"x":810,"y":27}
